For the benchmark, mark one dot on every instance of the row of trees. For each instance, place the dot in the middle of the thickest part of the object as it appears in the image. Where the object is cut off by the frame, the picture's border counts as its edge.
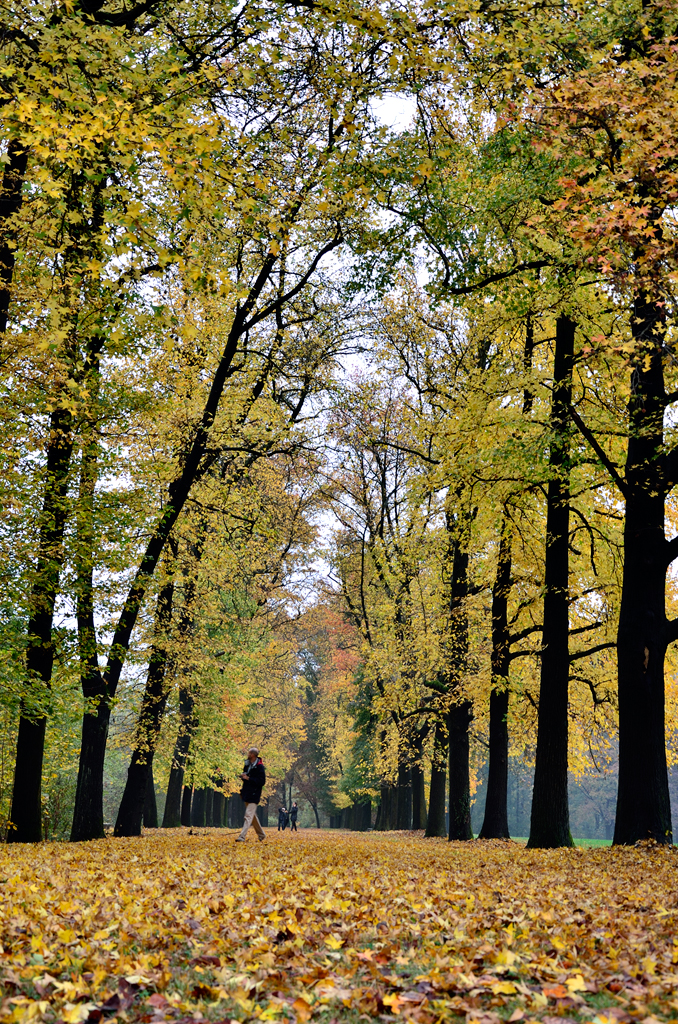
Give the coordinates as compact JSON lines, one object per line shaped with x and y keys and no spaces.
{"x":200,"y":215}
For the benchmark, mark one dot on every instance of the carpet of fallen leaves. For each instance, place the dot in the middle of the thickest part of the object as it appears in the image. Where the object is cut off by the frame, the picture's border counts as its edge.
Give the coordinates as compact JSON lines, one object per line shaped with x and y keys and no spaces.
{"x":335,"y":927}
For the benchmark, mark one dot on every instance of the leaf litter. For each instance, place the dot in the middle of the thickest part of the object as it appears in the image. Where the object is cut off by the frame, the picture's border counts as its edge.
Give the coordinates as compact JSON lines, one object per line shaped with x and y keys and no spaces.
{"x":334,"y":927}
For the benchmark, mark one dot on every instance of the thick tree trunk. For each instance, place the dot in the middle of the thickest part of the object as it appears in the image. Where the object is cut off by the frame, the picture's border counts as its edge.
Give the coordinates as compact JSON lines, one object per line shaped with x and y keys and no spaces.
{"x":495,"y":820}
{"x":150,"y":803}
{"x":218,"y":809}
{"x":550,"y":824}
{"x":26,"y":812}
{"x":643,"y":806}
{"x":459,"y":719}
{"x":418,"y":789}
{"x":436,"y":801}
{"x":209,"y":806}
{"x":198,"y":808}
{"x":186,"y":804}
{"x":131,"y":809}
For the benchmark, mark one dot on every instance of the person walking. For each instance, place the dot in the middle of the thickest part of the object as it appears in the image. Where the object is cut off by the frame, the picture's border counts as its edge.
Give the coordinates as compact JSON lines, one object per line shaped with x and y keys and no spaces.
{"x":294,"y":812}
{"x":253,"y":780}
{"x":282,"y":819}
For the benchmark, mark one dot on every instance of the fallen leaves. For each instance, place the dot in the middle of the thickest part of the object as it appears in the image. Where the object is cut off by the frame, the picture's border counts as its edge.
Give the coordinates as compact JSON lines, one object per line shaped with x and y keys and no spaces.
{"x":335,"y":926}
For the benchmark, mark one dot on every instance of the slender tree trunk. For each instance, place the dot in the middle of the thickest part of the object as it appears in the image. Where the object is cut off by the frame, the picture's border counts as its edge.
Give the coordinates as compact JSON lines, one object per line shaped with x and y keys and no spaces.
{"x":418,"y":790}
{"x":186,"y":805}
{"x":173,"y":816}
{"x":436,"y":801}
{"x":460,"y":713}
{"x":404,"y":798}
{"x":11,"y":196}
{"x":131,"y":809}
{"x":495,"y":821}
{"x":550,"y":823}
{"x":459,"y":719}
{"x":150,"y":803}
{"x":26,"y":812}
{"x":317,"y":816}
{"x":643,"y":805}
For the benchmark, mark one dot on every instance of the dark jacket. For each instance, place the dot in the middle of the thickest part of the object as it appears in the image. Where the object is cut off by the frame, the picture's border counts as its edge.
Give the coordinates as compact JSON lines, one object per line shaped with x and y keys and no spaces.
{"x":293,"y":813}
{"x":251,"y":789}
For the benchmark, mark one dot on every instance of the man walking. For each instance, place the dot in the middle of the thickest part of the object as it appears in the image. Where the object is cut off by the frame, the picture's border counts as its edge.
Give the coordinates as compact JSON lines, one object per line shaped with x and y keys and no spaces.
{"x":294,"y":812}
{"x":253,"y":779}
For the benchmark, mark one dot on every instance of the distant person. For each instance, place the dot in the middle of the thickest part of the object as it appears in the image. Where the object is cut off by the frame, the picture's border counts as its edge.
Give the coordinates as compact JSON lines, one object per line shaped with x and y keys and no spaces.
{"x":294,"y":813}
{"x":283,"y":819}
{"x":253,"y":780}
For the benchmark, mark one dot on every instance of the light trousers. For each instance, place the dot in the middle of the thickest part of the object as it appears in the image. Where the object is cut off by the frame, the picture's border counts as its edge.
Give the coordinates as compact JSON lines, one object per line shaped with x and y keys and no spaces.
{"x":251,"y":819}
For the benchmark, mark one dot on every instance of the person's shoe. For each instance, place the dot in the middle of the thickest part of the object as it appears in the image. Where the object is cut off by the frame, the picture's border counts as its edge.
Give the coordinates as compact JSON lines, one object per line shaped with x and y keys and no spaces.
{"x":261,"y":838}
{"x":240,"y":840}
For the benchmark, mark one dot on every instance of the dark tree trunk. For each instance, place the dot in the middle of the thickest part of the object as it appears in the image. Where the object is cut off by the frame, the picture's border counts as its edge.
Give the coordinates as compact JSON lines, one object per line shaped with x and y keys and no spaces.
{"x":460,"y":714}
{"x":26,"y":812}
{"x":131,"y":809}
{"x":317,"y":816}
{"x":150,"y":804}
{"x":218,"y":809}
{"x":550,"y":822}
{"x":198,"y":808}
{"x":643,"y":805}
{"x":88,"y":816}
{"x":11,"y":196}
{"x":173,"y":815}
{"x":263,"y":814}
{"x":209,"y":806}
{"x":186,"y":805}
{"x":418,"y":789}
{"x":459,"y":720}
{"x":495,"y":820}
{"x":386,"y":800}
{"x":436,"y":800}
{"x":404,"y":798}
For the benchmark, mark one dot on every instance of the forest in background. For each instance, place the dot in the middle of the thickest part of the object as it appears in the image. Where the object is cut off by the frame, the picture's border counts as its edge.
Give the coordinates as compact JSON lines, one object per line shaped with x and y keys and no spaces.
{"x":354,"y":440}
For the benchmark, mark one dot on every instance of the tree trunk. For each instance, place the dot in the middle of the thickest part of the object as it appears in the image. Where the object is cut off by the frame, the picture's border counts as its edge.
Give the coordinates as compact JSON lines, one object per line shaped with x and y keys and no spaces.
{"x":198,"y":808}
{"x":218,"y":809}
{"x":404,"y":798}
{"x":386,"y":799}
{"x":495,"y":820}
{"x":418,"y":789}
{"x":11,"y":197}
{"x":131,"y":809}
{"x":209,"y":806}
{"x":643,"y":805}
{"x":173,"y":816}
{"x":317,"y":816}
{"x":186,"y":805}
{"x":459,"y":720}
{"x":550,"y":822}
{"x":150,"y":803}
{"x":26,"y":812}
{"x":436,"y":800}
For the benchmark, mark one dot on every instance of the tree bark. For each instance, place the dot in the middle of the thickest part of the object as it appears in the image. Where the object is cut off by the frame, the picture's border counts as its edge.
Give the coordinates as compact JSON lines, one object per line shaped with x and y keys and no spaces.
{"x":643,"y":805}
{"x":495,"y":820}
{"x":173,"y":816}
{"x":218,"y":809}
{"x":209,"y":806}
{"x":436,"y":801}
{"x":26,"y":813}
{"x":186,"y":805}
{"x":550,"y":823}
{"x":198,"y":808}
{"x":459,"y":719}
{"x":131,"y":811}
{"x":150,"y":803}
{"x":11,"y":197}
{"x":404,"y":797}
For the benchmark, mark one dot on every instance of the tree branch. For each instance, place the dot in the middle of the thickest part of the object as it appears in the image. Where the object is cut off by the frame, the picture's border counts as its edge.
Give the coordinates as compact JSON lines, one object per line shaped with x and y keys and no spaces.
{"x":609,"y":465}
{"x":593,"y":650}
